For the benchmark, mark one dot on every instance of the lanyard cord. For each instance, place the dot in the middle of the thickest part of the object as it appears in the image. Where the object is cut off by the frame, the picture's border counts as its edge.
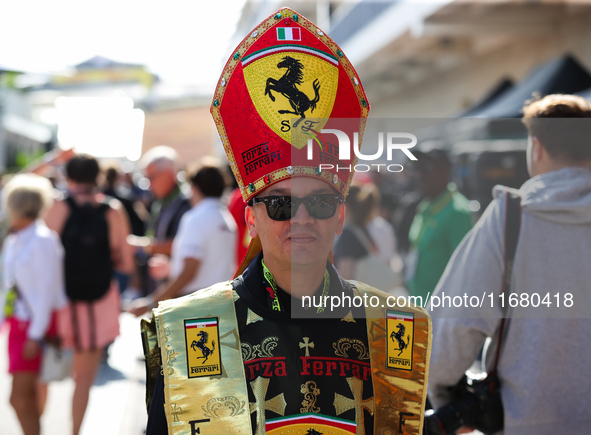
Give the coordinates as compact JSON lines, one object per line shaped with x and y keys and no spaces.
{"x":276,"y":306}
{"x":271,"y":281}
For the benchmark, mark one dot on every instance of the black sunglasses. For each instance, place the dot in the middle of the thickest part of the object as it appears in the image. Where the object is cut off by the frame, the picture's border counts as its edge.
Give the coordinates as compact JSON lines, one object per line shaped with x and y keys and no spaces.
{"x":284,"y":207}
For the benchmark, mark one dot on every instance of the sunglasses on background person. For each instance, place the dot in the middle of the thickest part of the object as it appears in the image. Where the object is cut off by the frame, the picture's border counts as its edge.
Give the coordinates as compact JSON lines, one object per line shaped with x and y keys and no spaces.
{"x":284,"y":207}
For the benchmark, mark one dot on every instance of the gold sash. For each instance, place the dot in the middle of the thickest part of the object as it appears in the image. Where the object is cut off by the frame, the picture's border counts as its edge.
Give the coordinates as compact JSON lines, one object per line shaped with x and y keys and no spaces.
{"x":195,"y":402}
{"x":400,"y":390}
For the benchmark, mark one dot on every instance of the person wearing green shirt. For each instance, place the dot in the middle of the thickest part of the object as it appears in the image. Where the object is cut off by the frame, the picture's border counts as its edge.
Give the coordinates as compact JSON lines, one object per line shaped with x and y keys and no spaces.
{"x":441,"y":221}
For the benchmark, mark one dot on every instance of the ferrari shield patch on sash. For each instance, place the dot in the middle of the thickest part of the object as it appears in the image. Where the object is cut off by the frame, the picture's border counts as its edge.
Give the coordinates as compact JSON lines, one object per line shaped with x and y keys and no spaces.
{"x":400,"y":338}
{"x":203,"y":347}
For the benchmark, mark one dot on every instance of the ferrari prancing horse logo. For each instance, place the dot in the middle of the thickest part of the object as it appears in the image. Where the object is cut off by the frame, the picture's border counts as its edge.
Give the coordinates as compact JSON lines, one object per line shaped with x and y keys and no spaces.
{"x":286,"y":86}
{"x":202,"y":345}
{"x":400,"y":338}
{"x":203,"y":350}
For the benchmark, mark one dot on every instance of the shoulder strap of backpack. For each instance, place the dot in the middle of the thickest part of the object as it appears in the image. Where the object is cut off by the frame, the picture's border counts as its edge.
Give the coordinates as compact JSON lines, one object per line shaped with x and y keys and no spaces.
{"x":104,"y":207}
{"x":512,"y":228}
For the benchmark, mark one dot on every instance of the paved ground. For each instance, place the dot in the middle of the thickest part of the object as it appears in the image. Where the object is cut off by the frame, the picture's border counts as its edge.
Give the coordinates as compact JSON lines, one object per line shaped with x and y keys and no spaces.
{"x":116,"y":405}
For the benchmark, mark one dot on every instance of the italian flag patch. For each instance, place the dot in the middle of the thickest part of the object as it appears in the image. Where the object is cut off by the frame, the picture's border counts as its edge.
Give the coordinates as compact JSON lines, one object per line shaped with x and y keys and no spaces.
{"x":201,"y":323}
{"x":401,"y":315}
{"x":288,"y":34}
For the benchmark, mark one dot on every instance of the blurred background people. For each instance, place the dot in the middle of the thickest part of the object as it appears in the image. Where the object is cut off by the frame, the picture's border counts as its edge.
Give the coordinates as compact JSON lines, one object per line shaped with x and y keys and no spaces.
{"x":136,"y":213}
{"x":382,"y":233}
{"x":135,"y":210}
{"x":356,"y":254}
{"x":94,"y":234}
{"x":32,"y":267}
{"x":202,"y":251}
{"x":160,"y":168}
{"x":442,"y":219}
{"x":355,"y":242}
{"x":543,"y":358}
{"x":237,"y":207}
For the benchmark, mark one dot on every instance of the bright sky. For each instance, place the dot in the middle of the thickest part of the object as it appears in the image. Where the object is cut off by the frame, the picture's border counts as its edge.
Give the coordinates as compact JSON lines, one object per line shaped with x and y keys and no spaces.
{"x":183,"y":41}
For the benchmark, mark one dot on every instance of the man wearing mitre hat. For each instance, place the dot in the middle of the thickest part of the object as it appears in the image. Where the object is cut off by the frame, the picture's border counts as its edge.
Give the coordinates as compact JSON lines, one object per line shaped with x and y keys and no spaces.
{"x":288,"y":346}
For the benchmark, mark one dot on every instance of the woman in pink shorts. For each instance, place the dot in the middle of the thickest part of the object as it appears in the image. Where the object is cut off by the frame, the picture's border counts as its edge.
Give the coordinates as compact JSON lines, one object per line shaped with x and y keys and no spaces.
{"x":32,"y":265}
{"x":94,"y":232}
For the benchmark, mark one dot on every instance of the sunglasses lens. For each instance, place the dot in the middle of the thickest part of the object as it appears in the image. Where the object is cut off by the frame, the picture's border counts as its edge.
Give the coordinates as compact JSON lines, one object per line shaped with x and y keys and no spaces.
{"x":283,"y":208}
{"x":321,"y":206}
{"x":279,"y":208}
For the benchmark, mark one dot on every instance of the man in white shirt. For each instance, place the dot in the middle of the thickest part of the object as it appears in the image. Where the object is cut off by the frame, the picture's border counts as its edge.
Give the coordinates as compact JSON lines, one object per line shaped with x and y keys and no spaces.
{"x":199,"y":255}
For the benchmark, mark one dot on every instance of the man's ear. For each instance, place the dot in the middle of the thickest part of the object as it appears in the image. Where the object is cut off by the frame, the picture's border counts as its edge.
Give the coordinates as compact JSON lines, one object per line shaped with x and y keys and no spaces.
{"x":537,"y":150}
{"x":249,"y":216}
{"x":340,"y":218}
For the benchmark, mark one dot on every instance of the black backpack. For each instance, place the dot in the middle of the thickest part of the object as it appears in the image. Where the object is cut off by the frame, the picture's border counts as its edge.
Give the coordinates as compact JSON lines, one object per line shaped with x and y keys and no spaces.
{"x":88,"y":263}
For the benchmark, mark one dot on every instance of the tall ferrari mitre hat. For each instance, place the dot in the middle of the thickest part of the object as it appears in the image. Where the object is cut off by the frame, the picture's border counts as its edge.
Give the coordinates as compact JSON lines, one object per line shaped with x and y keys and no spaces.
{"x":284,"y":83}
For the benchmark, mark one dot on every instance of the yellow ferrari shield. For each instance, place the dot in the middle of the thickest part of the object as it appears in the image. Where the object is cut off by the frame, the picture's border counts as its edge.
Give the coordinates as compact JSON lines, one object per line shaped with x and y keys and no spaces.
{"x":400,"y":336}
{"x":203,"y":347}
{"x":291,"y":83}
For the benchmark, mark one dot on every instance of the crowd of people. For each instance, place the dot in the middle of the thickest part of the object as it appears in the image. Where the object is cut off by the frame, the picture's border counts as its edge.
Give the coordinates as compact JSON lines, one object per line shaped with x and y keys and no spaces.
{"x":72,"y":250}
{"x":76,"y":247}
{"x":176,"y":243}
{"x":91,"y":240}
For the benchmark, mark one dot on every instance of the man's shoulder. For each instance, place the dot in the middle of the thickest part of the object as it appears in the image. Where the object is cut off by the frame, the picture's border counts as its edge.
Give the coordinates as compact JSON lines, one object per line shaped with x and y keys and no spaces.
{"x":47,"y":239}
{"x":181,"y":203}
{"x":385,"y":300}
{"x":206,"y":218}
{"x":191,"y":214}
{"x":460,"y":204}
{"x":495,"y":212}
{"x":361,"y":287}
{"x":500,"y":191}
{"x":184,"y":204}
{"x":216,"y":291}
{"x":209,"y":209}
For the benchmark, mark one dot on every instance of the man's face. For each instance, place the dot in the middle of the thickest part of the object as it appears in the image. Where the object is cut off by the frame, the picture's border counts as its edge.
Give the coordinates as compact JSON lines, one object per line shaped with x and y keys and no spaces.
{"x":162,"y":180}
{"x":432,"y":176}
{"x":302,"y":240}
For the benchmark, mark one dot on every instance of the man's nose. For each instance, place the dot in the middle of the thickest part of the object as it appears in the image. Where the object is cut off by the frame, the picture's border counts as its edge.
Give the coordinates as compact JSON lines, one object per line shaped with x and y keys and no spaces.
{"x":301,"y":216}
